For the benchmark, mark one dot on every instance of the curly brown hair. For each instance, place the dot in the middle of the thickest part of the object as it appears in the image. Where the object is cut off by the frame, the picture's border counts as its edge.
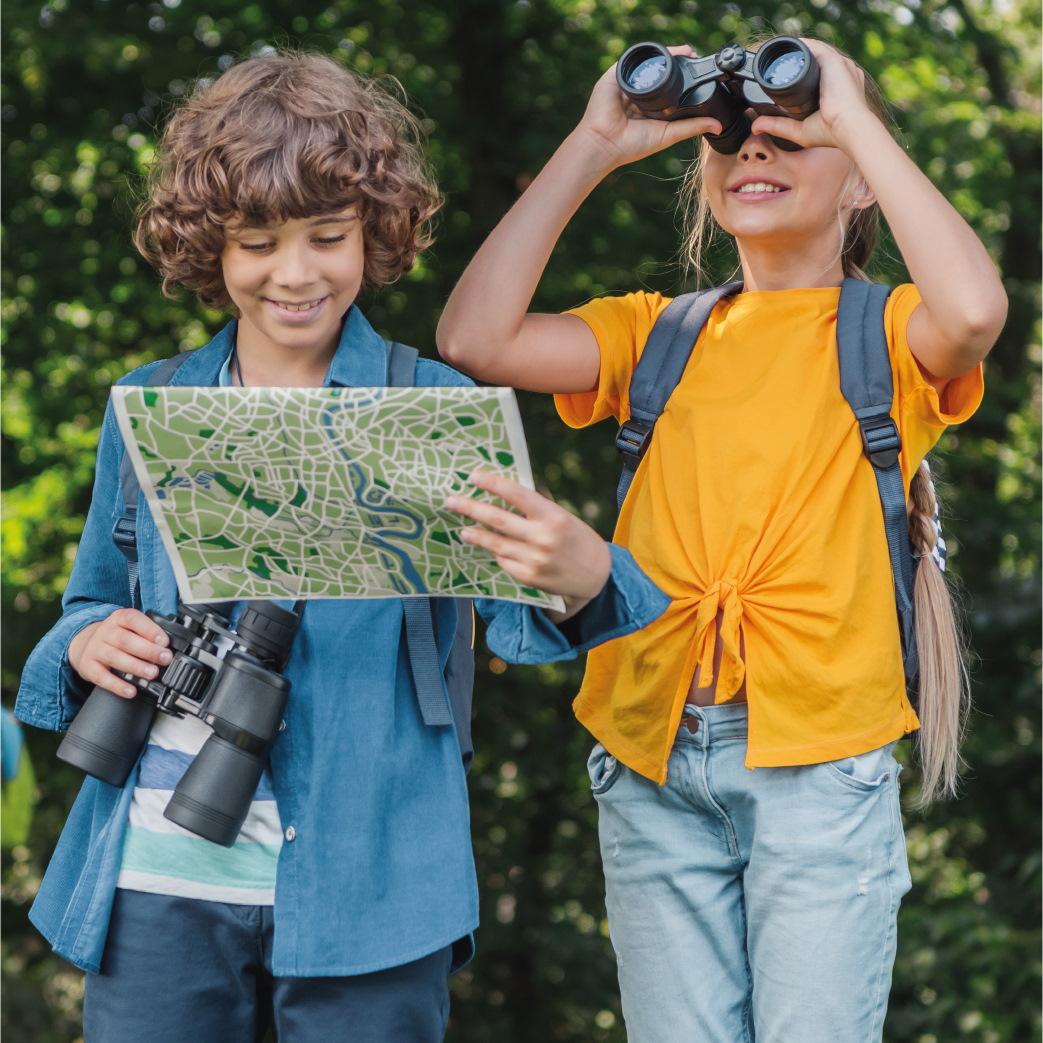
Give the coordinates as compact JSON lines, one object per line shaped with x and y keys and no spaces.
{"x":284,"y":135}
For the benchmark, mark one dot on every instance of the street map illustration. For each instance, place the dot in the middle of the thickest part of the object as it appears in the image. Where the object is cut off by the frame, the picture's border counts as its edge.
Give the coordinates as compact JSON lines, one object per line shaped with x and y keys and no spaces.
{"x":323,"y":492}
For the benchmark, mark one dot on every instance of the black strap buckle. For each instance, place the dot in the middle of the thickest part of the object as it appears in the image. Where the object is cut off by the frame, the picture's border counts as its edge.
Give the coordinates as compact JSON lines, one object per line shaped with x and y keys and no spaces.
{"x":880,"y":440}
{"x":632,"y":439}
{"x":124,"y":534}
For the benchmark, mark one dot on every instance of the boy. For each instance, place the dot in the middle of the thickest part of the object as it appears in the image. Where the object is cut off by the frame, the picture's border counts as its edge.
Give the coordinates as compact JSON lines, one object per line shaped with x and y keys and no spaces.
{"x":282,"y":189}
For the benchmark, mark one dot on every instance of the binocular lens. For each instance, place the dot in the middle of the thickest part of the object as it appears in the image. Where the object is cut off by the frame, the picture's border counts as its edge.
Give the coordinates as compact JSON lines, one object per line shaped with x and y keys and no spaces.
{"x":647,"y":74}
{"x":785,"y":69}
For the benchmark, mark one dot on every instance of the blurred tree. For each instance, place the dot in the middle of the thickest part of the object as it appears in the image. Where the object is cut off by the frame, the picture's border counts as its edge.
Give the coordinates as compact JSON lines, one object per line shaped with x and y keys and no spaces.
{"x":86,"y":85}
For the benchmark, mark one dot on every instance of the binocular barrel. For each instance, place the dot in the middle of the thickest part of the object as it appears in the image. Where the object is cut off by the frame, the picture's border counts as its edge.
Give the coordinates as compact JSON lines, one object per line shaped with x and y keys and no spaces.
{"x":651,"y":77}
{"x":245,"y":710}
{"x":106,"y":736}
{"x":788,"y":73}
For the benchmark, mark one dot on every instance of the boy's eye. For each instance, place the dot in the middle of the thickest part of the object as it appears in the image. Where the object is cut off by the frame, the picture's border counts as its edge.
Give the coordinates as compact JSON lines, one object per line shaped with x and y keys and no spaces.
{"x":258,"y":247}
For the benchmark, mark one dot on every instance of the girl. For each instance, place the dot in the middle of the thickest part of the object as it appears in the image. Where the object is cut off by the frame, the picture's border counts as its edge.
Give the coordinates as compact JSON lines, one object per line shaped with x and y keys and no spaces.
{"x":758,"y":902}
{"x":281,"y":190}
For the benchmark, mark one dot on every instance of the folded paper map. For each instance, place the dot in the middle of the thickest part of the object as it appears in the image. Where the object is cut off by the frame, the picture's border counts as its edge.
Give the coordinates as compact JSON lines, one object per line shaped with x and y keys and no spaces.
{"x":323,"y":492}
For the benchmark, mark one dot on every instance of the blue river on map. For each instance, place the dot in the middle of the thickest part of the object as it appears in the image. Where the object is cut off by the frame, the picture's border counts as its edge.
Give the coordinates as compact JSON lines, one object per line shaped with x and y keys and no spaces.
{"x":410,"y":582}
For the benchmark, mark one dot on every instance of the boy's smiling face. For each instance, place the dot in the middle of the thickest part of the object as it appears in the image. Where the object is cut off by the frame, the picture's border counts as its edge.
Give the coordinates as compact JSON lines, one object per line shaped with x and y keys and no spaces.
{"x":292,"y":282}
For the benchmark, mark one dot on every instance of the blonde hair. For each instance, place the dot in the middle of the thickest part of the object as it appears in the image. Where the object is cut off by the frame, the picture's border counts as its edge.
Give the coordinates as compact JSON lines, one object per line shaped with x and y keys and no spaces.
{"x":284,"y":135}
{"x":944,"y":689}
{"x":944,"y":683}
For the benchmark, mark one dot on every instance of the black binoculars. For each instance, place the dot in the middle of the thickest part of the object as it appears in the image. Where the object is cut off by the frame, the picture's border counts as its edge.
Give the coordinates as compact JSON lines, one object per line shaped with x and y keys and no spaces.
{"x":780,"y":79}
{"x":228,"y":678}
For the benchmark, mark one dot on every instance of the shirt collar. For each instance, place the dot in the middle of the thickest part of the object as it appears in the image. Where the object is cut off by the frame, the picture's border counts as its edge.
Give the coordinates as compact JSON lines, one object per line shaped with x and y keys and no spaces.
{"x":361,"y":358}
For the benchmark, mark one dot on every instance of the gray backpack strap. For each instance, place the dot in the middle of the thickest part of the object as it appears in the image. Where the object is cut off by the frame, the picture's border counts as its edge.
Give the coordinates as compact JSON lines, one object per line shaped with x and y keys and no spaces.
{"x":124,"y":532}
{"x":658,"y":372}
{"x":419,"y":612}
{"x":866,"y":383}
{"x":459,"y":676}
{"x":401,"y":365}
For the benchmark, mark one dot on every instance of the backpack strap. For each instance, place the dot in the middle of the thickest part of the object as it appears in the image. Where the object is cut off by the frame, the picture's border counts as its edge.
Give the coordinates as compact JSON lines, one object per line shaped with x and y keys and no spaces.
{"x":866,"y":383}
{"x":419,"y":612}
{"x":402,"y":361}
{"x":124,"y":532}
{"x":658,"y":372}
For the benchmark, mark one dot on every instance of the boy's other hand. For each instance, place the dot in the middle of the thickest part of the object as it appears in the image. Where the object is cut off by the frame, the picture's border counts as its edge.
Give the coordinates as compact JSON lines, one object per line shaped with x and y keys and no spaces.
{"x":543,"y":546}
{"x":620,"y":132}
{"x":126,"y":640}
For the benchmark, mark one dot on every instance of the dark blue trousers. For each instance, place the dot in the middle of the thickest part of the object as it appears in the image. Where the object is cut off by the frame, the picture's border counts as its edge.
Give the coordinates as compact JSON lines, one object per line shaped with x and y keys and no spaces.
{"x":180,"y":969}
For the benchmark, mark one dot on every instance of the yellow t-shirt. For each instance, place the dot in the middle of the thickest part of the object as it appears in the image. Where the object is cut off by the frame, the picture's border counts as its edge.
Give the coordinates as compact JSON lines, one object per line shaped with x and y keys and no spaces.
{"x":755,"y":499}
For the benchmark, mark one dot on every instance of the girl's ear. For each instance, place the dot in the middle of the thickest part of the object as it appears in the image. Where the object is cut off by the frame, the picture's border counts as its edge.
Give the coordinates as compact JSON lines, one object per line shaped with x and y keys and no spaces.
{"x":861,"y":196}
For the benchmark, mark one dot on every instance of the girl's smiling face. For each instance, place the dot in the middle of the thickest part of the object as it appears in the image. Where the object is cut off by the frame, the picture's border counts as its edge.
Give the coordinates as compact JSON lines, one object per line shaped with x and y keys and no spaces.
{"x":763,"y":193}
{"x":292,"y":282}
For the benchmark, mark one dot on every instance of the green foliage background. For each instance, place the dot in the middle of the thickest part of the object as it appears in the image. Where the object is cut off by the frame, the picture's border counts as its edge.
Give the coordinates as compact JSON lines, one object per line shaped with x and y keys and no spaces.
{"x":86,"y":82}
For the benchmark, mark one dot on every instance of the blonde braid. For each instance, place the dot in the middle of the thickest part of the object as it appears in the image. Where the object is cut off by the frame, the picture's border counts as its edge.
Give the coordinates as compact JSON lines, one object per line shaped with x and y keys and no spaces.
{"x":944,"y":686}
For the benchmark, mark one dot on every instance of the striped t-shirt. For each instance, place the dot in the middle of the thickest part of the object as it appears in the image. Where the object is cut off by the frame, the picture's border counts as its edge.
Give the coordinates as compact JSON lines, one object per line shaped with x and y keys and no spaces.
{"x":161,"y":857}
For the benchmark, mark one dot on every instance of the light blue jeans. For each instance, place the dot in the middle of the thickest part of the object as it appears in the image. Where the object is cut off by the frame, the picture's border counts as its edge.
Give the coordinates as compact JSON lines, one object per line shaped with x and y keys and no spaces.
{"x":751,"y":905}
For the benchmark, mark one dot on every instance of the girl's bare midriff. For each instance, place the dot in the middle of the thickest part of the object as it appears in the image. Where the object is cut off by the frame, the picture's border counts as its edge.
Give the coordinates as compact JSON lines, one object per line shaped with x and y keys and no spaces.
{"x":706,"y":696}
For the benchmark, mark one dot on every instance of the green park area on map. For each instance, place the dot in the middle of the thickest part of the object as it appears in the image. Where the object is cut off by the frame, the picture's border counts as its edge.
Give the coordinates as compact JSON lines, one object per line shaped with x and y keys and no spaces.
{"x":322,"y":492}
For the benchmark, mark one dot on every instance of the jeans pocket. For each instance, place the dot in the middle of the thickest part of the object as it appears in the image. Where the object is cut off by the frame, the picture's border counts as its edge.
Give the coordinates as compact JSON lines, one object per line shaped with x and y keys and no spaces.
{"x":865,"y":772}
{"x":603,"y":769}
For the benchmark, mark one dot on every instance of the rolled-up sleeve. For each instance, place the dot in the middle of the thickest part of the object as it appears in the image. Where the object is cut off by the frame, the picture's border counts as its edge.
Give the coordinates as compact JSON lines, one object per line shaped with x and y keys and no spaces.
{"x":525,"y":634}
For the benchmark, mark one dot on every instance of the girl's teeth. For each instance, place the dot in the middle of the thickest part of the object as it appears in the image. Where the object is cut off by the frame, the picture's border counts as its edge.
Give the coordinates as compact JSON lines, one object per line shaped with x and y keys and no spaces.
{"x":759,"y":186}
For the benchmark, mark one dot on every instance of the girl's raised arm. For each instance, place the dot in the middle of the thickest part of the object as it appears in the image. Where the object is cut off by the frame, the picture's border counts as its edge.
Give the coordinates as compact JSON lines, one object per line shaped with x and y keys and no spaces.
{"x":486,"y":329}
{"x":964,"y":303}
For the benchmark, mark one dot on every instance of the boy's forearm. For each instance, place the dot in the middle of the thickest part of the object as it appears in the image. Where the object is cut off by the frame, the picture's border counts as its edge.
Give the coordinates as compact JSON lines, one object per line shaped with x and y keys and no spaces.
{"x":486,"y":309}
{"x":957,"y":279}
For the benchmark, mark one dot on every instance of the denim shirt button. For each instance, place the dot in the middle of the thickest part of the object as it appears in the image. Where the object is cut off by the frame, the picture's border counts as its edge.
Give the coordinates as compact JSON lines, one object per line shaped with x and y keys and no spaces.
{"x":291,"y":833}
{"x":282,"y":726}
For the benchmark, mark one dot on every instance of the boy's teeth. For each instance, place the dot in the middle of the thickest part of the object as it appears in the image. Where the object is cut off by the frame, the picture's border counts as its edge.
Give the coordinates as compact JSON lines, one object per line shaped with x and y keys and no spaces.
{"x":759,"y":186}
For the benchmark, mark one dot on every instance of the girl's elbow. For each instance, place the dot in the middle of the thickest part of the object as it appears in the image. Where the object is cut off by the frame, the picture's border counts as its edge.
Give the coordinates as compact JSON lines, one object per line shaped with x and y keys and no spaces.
{"x":452,"y":347}
{"x":985,"y":325}
{"x":463,"y":353}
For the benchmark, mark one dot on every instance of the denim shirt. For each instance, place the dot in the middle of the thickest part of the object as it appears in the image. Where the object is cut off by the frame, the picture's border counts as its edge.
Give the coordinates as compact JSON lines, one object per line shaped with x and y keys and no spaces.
{"x":376,"y":868}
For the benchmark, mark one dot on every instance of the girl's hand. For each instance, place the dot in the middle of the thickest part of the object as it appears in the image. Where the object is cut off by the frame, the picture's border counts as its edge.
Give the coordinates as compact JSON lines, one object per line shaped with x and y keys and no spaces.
{"x":842,"y":104}
{"x":619,"y":131}
{"x":126,"y":640}
{"x":545,"y":546}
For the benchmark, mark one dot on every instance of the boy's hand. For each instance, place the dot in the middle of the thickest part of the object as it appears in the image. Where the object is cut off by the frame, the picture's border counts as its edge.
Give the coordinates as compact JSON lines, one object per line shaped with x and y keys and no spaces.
{"x":544,"y":546}
{"x":617,"y":128}
{"x":126,"y":640}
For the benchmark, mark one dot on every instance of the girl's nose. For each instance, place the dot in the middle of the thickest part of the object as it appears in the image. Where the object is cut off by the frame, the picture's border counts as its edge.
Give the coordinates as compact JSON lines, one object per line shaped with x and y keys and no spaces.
{"x":754,"y":147}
